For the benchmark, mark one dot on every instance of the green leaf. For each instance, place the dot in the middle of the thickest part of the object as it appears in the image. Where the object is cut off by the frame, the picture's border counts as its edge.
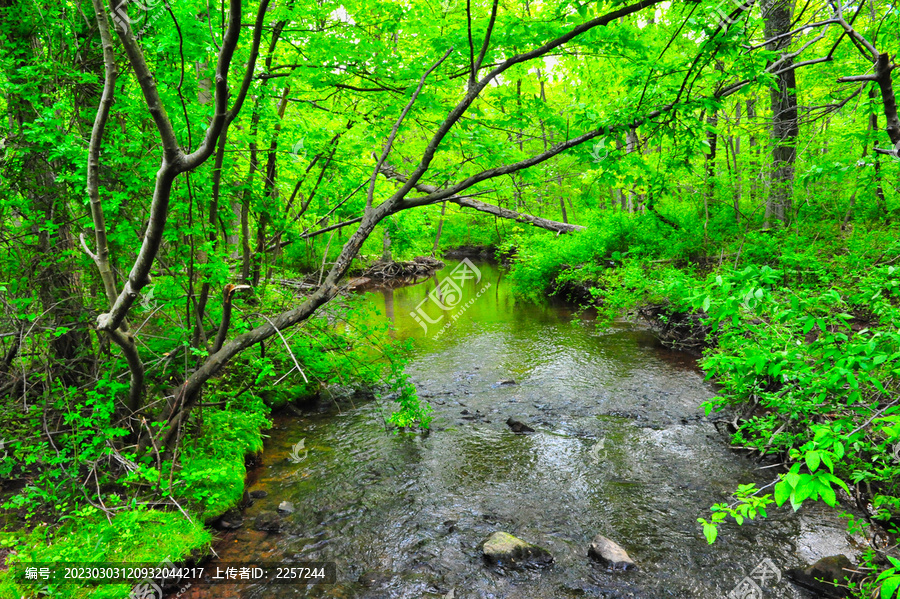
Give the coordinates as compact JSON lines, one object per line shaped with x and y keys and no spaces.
{"x":792,"y":479}
{"x":889,"y":587}
{"x":812,"y":460}
{"x":710,"y":531}
{"x":838,"y":449}
{"x":782,"y":492}
{"x":828,"y":494}
{"x":808,"y":325}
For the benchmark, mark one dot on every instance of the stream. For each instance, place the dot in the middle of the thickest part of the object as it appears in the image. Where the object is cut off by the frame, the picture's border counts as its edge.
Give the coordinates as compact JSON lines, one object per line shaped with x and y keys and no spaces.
{"x":621,"y":448}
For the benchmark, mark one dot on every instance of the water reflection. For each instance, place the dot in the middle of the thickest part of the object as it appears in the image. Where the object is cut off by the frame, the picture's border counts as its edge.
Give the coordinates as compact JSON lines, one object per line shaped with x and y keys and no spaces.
{"x":402,"y":515}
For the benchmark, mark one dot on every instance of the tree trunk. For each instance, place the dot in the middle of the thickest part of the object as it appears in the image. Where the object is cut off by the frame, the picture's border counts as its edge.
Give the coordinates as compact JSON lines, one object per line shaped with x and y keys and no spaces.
{"x":56,"y":284}
{"x":712,"y":139}
{"x":785,"y":128}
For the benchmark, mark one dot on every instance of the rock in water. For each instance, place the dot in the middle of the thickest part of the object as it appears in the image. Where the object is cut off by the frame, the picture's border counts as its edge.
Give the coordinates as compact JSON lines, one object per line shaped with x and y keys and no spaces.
{"x":268,"y":522}
{"x":506,"y":383}
{"x":518,"y":426}
{"x":823,"y":575}
{"x":609,"y":553}
{"x":504,"y":549}
{"x":231,"y":519}
{"x":286,"y":507}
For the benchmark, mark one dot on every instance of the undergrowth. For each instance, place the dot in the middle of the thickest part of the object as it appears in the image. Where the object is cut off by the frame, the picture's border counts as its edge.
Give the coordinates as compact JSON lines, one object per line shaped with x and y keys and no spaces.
{"x":803,"y":343}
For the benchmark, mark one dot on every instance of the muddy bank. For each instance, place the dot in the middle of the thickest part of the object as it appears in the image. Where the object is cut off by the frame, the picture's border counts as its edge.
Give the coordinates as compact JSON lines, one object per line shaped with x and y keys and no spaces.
{"x":481,"y":252}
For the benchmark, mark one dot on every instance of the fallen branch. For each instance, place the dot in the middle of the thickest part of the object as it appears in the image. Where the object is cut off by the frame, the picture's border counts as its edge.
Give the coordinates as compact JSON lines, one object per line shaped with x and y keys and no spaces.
{"x":468,"y":202}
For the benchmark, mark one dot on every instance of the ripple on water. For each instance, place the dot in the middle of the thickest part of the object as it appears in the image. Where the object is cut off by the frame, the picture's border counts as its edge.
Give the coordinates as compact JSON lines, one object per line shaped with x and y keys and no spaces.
{"x":621,"y":448}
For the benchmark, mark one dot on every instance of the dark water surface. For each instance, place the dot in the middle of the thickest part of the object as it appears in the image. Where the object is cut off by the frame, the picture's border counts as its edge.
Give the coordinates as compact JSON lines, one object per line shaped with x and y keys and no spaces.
{"x":621,"y":448}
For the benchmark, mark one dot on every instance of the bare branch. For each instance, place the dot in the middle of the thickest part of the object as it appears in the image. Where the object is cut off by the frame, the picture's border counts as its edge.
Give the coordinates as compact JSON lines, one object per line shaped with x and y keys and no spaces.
{"x":171,"y":151}
{"x":487,"y":39}
{"x":174,"y":160}
{"x":390,"y":141}
{"x":229,"y":44}
{"x":225,"y":323}
{"x":101,"y":258}
{"x":858,"y":78}
{"x":251,"y":63}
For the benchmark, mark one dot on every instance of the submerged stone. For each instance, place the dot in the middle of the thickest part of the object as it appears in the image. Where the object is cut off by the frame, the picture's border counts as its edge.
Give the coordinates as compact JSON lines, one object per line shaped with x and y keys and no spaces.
{"x":286,"y":507}
{"x":517,"y":426}
{"x":268,"y":522}
{"x":504,"y":549}
{"x":231,"y":519}
{"x":610,"y":554}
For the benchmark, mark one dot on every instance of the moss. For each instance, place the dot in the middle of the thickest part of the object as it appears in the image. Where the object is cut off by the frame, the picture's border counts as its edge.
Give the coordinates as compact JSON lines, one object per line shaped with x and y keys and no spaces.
{"x":213,"y":471}
{"x":210,"y":482}
{"x":141,"y":535}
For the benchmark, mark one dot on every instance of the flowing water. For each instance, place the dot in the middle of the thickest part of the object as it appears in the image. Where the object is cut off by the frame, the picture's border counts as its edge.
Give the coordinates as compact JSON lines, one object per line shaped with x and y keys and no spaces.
{"x":621,"y":448}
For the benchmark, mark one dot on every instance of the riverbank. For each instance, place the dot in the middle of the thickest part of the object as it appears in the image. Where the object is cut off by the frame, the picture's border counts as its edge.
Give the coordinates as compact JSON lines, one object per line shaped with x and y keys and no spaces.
{"x":158,"y":509}
{"x":799,"y":329}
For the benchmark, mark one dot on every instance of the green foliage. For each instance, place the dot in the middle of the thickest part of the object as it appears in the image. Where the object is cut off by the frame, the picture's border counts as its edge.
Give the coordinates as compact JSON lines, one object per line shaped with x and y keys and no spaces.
{"x":89,"y":429}
{"x":748,"y":504}
{"x":889,"y":580}
{"x":412,"y":411}
{"x":212,"y":468}
{"x":137,"y":535}
{"x":545,"y":264}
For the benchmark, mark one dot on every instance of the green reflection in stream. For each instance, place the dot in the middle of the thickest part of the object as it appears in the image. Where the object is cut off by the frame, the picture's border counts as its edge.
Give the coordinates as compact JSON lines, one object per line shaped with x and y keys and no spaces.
{"x":621,"y":448}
